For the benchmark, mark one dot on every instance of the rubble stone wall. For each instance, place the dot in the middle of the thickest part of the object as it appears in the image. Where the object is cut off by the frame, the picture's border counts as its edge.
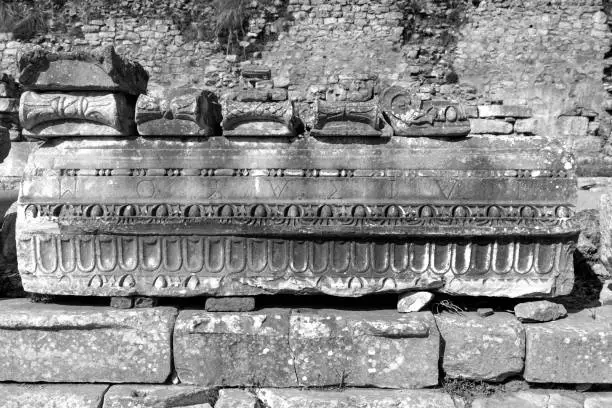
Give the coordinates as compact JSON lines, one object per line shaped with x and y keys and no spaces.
{"x":550,"y":55}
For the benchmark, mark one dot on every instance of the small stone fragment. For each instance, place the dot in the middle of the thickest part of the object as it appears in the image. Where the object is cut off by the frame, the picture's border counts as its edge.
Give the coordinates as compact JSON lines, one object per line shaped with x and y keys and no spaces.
{"x":236,"y":398}
{"x":230,"y":304}
{"x":413,"y":301}
{"x":539,"y":311}
{"x":526,"y":126}
{"x":144,"y":302}
{"x":484,"y":311}
{"x":605,"y":296}
{"x":121,"y":302}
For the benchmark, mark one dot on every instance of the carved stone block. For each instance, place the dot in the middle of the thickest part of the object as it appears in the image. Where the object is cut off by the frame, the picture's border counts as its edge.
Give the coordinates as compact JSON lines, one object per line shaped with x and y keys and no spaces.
{"x":61,"y":343}
{"x":352,"y":87}
{"x":344,"y":119}
{"x":364,"y":348}
{"x":409,"y":116}
{"x":149,"y":396}
{"x":100,"y":70}
{"x":258,"y":119}
{"x":488,"y":216}
{"x":78,"y":113}
{"x":178,"y":112}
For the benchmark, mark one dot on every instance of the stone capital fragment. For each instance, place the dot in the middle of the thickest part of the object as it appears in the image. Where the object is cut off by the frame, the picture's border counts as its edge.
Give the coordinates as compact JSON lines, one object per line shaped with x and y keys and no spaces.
{"x":258,"y":119}
{"x":178,"y":112}
{"x":100,"y":70}
{"x":76,"y":113}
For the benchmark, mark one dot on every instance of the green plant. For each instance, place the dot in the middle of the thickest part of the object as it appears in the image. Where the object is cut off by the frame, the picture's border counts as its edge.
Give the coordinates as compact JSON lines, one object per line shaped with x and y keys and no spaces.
{"x":230,"y":20}
{"x":24,"y":19}
{"x":468,"y":390}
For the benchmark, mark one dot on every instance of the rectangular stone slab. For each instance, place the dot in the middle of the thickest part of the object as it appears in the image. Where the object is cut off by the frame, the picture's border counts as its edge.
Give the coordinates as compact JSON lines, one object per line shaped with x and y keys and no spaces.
{"x":481,"y":348}
{"x":364,"y":348}
{"x":234,"y":349}
{"x":52,"y":395}
{"x":225,"y":217}
{"x":63,"y":343}
{"x":147,"y":396}
{"x":354,"y":397}
{"x":99,"y":70}
{"x":576,"y":349}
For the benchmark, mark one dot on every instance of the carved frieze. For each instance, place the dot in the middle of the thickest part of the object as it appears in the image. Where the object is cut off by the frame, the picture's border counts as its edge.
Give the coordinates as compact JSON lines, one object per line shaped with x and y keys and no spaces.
{"x":180,"y":111}
{"x":99,"y":70}
{"x":349,"y":119}
{"x":410,"y":116}
{"x":77,"y":113}
{"x":223,"y":216}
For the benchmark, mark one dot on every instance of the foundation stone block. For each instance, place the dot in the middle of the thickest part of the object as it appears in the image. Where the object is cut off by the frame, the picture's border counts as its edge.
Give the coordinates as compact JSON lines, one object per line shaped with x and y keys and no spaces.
{"x":504,"y":111}
{"x":234,"y":349}
{"x":598,"y":400}
{"x":65,"y":343}
{"x":576,"y":349}
{"x":234,"y":398}
{"x":529,"y":399}
{"x":150,"y":396}
{"x":489,"y":349}
{"x":490,"y":126}
{"x":364,"y":348}
{"x":353,"y":397}
{"x":51,"y":396}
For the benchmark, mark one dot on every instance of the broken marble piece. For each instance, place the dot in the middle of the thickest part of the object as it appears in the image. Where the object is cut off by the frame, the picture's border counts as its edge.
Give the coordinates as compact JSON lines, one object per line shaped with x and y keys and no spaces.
{"x":504,"y":111}
{"x":99,"y":70}
{"x":411,"y":116}
{"x":234,"y":349}
{"x":352,"y":87}
{"x":77,"y":113}
{"x":229,"y":217}
{"x":52,"y":395}
{"x":413,"y":301}
{"x":153,"y":396}
{"x":490,"y":349}
{"x":178,"y":112}
{"x":490,"y":126}
{"x":236,"y":398}
{"x":539,"y":311}
{"x":364,"y":348}
{"x":485,"y":311}
{"x":354,"y":397}
{"x":258,"y":119}
{"x":64,"y":343}
{"x":253,"y":74}
{"x":349,"y":119}
{"x":572,"y":350}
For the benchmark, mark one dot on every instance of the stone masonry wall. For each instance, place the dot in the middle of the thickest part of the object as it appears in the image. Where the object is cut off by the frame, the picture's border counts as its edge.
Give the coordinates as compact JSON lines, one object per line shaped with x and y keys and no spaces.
{"x":547,"y":54}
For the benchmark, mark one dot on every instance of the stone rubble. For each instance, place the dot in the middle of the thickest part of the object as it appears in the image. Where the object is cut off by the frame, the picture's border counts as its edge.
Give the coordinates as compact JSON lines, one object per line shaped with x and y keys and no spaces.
{"x":413,"y":301}
{"x":539,"y":311}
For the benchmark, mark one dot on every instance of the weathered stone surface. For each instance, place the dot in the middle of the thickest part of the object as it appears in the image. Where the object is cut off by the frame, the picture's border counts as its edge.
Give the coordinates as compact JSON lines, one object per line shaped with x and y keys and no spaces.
{"x":413,"y":301}
{"x":504,"y":111}
{"x":353,"y":397}
{"x":572,"y":126}
{"x":348,"y":119}
{"x":8,"y":87}
{"x":605,"y":229}
{"x":605,"y":296}
{"x":77,"y":113}
{"x":178,"y":112}
{"x":99,"y":70}
{"x":484,"y":311}
{"x":572,"y":350}
{"x":230,"y":304}
{"x":490,"y":349}
{"x":154,"y":396}
{"x":12,"y":168}
{"x":529,"y":399}
{"x":9,"y":105}
{"x":258,"y":119}
{"x":539,"y":311}
{"x":235,"y":217}
{"x":364,"y":348}
{"x":51,"y":396}
{"x":121,"y":302}
{"x":234,"y":349}
{"x":490,"y":126}
{"x":526,"y":126}
{"x":598,"y":400}
{"x":410,"y":116}
{"x":234,"y":398}
{"x":61,"y":343}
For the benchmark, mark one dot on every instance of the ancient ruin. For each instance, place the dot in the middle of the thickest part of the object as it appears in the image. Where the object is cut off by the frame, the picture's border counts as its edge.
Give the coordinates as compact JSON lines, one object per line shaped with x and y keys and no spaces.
{"x":336,"y":205}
